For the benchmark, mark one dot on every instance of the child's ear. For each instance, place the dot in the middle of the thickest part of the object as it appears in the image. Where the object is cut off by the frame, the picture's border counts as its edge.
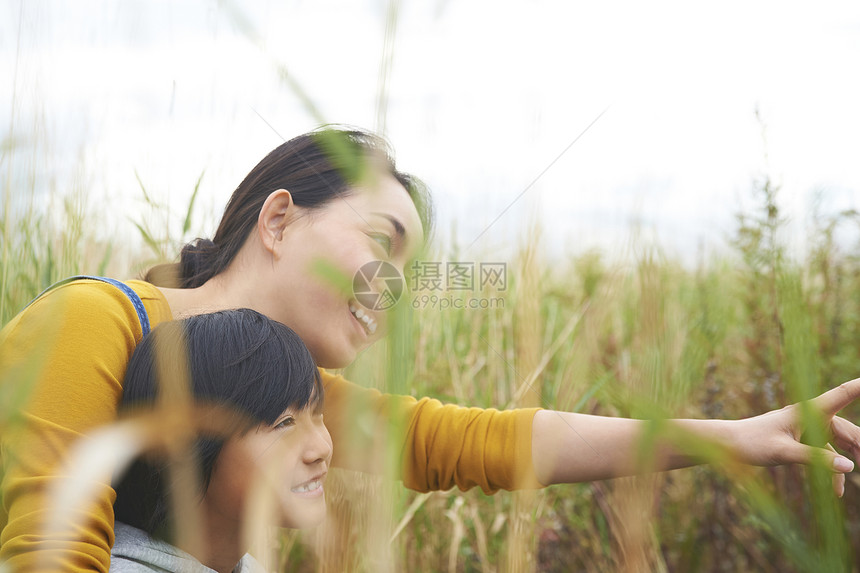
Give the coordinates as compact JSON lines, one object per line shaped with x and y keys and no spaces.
{"x":275,"y":215}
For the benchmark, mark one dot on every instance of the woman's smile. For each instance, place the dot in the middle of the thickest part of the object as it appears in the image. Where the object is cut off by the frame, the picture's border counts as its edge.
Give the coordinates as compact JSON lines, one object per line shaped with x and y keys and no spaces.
{"x":363,"y":317}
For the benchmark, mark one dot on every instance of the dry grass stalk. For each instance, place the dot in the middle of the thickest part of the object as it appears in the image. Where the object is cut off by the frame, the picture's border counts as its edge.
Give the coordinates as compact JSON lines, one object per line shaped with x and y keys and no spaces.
{"x":522,"y":544}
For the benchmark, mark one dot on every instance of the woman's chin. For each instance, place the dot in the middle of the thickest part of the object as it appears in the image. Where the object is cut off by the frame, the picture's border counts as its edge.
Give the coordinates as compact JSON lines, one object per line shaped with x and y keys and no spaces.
{"x":335,"y":358}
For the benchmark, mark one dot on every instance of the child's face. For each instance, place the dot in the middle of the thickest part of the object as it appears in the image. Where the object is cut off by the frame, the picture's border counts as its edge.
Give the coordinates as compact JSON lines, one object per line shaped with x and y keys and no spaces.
{"x":288,"y":460}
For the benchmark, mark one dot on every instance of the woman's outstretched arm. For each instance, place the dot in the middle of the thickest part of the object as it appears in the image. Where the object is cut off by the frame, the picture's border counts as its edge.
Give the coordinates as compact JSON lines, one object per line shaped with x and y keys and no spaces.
{"x":569,"y":447}
{"x":439,"y":446}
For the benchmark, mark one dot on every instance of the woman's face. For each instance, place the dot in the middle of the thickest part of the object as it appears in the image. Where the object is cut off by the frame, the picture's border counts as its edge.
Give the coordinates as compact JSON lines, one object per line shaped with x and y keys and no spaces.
{"x":318,"y":257}
{"x":287,"y":461}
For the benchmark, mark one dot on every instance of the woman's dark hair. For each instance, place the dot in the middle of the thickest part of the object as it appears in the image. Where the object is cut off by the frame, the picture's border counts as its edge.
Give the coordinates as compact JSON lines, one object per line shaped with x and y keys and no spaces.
{"x":240,"y":360}
{"x":315,"y":168}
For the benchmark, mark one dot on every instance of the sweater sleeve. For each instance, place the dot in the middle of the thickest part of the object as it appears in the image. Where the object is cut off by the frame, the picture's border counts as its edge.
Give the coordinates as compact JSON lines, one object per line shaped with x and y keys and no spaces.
{"x":66,"y":355}
{"x":437,"y":446}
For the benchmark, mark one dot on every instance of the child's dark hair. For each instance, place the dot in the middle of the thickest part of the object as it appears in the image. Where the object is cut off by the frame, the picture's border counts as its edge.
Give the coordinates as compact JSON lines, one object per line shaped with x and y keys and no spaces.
{"x":238,"y":359}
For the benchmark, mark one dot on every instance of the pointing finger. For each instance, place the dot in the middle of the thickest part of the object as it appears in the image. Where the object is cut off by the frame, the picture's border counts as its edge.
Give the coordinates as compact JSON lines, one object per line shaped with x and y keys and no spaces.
{"x":834,"y":400}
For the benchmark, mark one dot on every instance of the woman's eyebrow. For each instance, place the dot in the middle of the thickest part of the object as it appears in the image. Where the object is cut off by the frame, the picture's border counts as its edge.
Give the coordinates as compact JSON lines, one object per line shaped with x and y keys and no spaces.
{"x":398,"y":226}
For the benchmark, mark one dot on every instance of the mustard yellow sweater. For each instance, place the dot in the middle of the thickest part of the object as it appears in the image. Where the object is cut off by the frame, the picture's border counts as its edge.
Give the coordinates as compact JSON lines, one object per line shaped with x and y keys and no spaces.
{"x":69,"y":351}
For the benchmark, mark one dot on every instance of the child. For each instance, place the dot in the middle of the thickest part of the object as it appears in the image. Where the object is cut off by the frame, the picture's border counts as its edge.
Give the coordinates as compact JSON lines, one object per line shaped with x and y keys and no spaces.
{"x":264,"y":378}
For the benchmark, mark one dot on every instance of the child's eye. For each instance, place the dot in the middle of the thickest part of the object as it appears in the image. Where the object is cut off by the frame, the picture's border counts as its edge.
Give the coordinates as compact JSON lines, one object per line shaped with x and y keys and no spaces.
{"x":285,"y":423}
{"x":383,"y":240}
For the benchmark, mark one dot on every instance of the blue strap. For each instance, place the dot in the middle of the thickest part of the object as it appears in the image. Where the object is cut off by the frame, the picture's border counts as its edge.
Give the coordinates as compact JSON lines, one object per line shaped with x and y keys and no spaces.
{"x":135,"y":300}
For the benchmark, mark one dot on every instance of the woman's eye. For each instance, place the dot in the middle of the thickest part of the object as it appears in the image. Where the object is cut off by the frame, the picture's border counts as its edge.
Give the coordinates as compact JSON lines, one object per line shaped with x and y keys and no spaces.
{"x":286,"y":422}
{"x":382,"y":240}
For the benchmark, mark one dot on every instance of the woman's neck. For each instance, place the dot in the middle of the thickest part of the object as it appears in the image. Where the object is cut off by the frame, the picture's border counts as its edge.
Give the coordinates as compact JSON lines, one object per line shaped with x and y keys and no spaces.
{"x":218,"y":293}
{"x":238,"y":286}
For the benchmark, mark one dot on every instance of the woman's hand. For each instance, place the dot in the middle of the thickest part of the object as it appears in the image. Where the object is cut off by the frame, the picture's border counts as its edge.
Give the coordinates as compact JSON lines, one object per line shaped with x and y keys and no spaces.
{"x":774,"y":438}
{"x":569,"y":447}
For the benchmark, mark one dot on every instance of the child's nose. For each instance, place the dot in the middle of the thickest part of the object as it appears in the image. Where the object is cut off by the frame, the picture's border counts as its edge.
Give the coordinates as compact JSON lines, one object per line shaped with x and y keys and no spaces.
{"x":319,"y":446}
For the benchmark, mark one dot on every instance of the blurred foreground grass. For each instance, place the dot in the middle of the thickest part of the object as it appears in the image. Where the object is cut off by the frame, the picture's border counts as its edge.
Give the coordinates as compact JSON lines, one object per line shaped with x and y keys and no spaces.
{"x":739,"y":334}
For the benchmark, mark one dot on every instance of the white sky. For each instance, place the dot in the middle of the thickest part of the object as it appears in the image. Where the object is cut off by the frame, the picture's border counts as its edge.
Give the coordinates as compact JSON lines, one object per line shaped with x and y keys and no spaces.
{"x":482,"y":97}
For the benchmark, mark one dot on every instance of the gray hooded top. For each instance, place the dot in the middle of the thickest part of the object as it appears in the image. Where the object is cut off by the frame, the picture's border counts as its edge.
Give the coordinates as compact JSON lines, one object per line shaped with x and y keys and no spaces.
{"x":136,"y":552}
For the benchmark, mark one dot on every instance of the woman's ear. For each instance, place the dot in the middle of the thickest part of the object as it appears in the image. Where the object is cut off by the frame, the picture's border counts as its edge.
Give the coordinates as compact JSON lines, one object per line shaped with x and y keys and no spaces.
{"x":277,"y":212}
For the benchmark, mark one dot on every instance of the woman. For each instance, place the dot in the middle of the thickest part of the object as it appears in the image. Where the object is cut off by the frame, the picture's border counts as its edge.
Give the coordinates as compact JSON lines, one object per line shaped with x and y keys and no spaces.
{"x":330,"y":200}
{"x":266,"y":383}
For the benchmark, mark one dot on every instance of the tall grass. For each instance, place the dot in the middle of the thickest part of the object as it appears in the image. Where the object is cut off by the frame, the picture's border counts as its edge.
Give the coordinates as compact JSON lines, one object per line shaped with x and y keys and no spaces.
{"x":741,"y":333}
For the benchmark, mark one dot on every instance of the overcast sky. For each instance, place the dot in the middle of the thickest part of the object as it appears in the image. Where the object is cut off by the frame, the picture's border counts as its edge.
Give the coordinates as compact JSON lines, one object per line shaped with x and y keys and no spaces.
{"x":482,"y":98}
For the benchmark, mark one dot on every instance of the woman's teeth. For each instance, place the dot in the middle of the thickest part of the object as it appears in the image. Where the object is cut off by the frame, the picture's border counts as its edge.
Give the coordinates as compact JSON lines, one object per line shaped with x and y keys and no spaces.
{"x":363,"y":318}
{"x":306,"y":487}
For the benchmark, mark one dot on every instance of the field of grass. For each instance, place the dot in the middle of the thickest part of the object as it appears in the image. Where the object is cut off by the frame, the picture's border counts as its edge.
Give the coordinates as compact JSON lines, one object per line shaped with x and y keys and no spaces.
{"x":733,"y":337}
{"x":738,"y":334}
